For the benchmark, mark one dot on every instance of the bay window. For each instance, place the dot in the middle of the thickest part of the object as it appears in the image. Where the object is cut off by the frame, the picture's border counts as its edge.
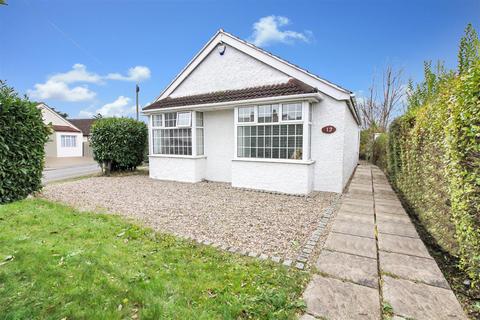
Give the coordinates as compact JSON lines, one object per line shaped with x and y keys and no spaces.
{"x":172,"y":134}
{"x":273,"y":131}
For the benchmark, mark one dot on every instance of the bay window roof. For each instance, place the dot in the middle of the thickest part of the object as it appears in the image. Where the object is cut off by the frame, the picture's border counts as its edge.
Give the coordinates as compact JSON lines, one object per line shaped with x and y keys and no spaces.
{"x":292,"y":87}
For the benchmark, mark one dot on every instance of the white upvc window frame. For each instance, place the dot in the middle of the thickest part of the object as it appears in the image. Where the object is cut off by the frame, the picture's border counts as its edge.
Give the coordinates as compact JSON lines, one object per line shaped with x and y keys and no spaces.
{"x":192,"y":126}
{"x":306,"y":121}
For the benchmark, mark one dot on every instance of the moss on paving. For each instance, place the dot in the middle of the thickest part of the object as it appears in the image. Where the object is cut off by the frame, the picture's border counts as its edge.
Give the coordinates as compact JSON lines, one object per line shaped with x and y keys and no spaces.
{"x":56,"y":262}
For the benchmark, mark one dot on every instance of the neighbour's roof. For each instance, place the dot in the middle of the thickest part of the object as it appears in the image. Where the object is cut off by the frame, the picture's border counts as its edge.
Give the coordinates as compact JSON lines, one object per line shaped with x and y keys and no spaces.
{"x":292,"y":87}
{"x":83,"y":124}
{"x":65,"y":129}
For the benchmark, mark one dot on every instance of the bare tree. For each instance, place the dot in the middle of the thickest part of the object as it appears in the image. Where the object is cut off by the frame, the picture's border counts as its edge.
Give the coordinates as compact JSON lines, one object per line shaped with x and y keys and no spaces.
{"x":377,"y":112}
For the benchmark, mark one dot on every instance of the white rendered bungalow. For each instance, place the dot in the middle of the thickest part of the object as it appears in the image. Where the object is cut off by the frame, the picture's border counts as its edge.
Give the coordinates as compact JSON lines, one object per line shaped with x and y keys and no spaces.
{"x":239,"y":114}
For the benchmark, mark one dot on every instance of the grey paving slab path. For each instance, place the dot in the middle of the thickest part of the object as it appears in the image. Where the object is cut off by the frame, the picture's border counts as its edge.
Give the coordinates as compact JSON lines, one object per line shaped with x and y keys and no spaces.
{"x":373,"y":256}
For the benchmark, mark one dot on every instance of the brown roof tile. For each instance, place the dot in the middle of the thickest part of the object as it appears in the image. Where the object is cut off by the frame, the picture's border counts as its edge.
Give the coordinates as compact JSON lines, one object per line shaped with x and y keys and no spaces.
{"x":292,"y":87}
{"x":65,"y":129}
{"x":83,"y":124}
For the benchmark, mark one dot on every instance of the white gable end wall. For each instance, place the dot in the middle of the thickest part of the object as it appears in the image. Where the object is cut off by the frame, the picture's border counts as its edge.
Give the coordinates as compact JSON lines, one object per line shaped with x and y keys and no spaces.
{"x":230,"y":71}
{"x":351,"y":145}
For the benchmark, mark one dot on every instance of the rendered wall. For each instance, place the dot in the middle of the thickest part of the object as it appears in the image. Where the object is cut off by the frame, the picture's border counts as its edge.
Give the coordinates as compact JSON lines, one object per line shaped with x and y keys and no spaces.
{"x":291,"y":178}
{"x":327,"y":149}
{"x":232,"y":70}
{"x":69,"y":152}
{"x":351,"y":145}
{"x":177,"y":169}
{"x":51,"y":146}
{"x":219,"y":144}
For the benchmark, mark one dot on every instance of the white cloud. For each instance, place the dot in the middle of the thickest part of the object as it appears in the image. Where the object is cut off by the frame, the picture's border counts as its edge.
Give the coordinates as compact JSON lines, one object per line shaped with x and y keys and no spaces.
{"x":267,"y":31}
{"x":136,"y":74}
{"x":61,"y":91}
{"x":118,"y":108}
{"x":78,"y":73}
{"x":57,"y":86}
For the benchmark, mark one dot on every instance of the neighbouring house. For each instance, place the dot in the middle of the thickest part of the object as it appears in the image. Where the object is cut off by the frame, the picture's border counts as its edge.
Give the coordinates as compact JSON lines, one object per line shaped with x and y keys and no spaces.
{"x":66,"y":139}
{"x":84,"y":125}
{"x":239,"y":114}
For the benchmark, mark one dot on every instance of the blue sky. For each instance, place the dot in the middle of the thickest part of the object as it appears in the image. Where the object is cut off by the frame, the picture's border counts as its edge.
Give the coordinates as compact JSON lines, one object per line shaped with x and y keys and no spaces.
{"x":83,"y":57}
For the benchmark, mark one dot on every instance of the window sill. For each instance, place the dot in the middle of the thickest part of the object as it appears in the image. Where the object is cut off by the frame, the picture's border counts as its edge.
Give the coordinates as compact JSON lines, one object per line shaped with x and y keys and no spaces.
{"x":175,"y":156}
{"x":287,"y":161}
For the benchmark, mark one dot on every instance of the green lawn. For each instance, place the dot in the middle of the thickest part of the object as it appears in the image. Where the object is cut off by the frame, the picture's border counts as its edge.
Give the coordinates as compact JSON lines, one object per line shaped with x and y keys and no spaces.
{"x":58,"y":263}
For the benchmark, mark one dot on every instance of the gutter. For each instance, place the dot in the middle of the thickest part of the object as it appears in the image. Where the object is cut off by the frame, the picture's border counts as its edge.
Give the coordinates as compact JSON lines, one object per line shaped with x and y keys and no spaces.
{"x":312,"y":97}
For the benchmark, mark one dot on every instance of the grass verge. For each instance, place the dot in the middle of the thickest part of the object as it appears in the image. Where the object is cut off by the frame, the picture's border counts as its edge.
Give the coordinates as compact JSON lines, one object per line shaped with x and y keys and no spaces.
{"x":56,"y":262}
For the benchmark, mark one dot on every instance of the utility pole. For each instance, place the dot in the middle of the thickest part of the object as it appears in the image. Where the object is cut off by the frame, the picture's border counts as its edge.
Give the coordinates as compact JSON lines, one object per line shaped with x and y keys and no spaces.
{"x":137,"y":89}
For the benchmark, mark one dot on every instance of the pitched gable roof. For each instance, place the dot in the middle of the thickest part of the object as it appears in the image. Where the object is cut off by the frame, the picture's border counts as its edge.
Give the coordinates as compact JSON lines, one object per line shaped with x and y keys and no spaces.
{"x":284,"y":66}
{"x":291,"y":87}
{"x":83,"y":124}
{"x":64,"y":122}
{"x":64,"y":129}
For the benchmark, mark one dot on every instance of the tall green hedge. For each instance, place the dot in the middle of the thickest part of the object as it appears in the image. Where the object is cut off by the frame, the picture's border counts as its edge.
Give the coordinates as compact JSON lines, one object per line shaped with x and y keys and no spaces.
{"x":22,"y":139}
{"x":434,"y":155}
{"x":119,"y":143}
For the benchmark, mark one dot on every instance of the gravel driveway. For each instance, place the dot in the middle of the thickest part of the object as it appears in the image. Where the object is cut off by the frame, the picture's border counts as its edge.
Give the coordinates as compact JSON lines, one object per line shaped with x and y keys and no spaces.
{"x":249,"y":220}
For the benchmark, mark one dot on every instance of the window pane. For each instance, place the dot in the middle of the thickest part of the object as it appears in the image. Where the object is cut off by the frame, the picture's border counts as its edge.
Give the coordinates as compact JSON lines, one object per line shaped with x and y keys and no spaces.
{"x":184,"y":119}
{"x":292,"y":111}
{"x":270,"y":141}
{"x":275,"y":112}
{"x":170,"y":119}
{"x":157,"y":120}
{"x":199,"y":119}
{"x":264,"y":114}
{"x":173,"y":141}
{"x":199,"y":141}
{"x":246,"y":114}
{"x":68,"y":141}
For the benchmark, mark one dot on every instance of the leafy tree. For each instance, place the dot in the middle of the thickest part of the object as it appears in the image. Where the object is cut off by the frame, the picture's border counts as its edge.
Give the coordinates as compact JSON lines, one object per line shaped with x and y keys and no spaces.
{"x":468,"y":53}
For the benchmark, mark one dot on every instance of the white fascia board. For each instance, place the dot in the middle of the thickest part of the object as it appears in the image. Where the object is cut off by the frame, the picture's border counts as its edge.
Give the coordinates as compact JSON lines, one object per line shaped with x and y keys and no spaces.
{"x":311,"y":97}
{"x":324,"y":86}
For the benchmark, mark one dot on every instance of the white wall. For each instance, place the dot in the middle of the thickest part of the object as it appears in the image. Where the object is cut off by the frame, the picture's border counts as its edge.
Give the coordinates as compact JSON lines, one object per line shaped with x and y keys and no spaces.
{"x":76,"y":151}
{"x":219,"y":144}
{"x":294,"y":178}
{"x":177,"y":169}
{"x":327,"y":149}
{"x":351,"y":145}
{"x":233,"y":70}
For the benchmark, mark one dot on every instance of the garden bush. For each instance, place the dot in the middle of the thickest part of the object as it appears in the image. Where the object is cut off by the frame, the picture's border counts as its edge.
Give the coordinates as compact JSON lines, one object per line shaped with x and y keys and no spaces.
{"x":119,"y":143}
{"x":434,"y":155}
{"x":22,"y":139}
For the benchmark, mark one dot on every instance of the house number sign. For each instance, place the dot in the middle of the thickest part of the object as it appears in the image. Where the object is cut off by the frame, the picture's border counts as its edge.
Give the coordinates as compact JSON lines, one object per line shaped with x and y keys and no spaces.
{"x":329,"y":129}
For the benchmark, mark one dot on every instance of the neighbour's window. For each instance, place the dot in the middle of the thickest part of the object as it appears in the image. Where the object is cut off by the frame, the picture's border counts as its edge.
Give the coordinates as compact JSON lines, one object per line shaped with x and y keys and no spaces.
{"x":284,"y":141}
{"x":184,"y":119}
{"x":268,"y":113}
{"x":246,"y":114}
{"x":68,"y":141}
{"x":292,"y":112}
{"x":199,"y":119}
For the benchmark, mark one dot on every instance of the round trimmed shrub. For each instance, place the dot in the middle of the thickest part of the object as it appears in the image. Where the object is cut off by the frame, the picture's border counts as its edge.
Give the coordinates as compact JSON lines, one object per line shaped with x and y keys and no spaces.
{"x":119,"y":143}
{"x":22,"y":139}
